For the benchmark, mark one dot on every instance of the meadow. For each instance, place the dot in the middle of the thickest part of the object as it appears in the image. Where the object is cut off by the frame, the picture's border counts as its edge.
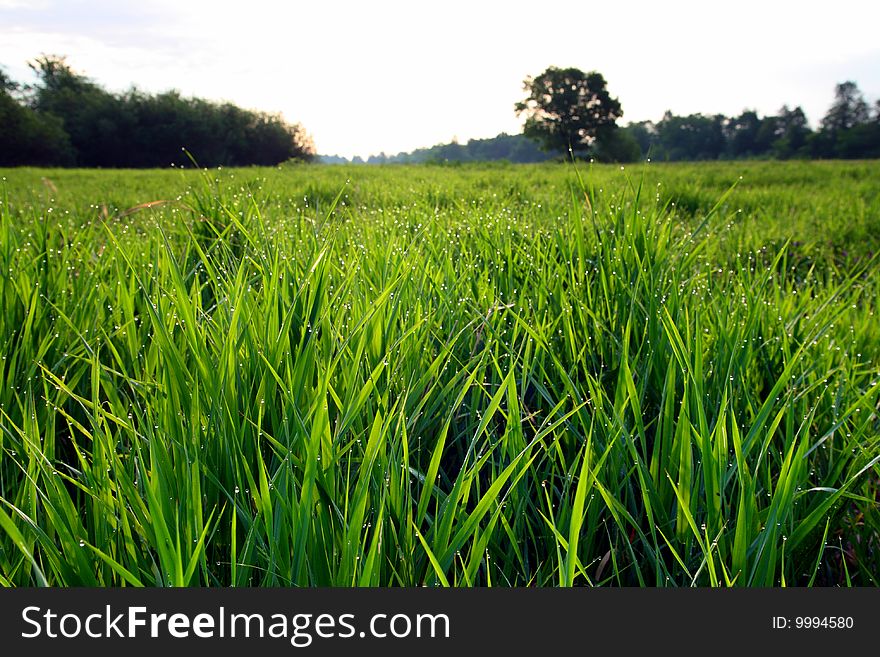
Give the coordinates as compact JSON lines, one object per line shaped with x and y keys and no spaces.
{"x":483,"y":375}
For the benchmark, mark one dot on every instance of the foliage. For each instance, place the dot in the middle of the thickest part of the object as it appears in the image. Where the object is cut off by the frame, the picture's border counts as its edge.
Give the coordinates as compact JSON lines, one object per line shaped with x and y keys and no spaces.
{"x":849,"y":108}
{"x":512,"y":148}
{"x":567,"y":109}
{"x":786,"y":135}
{"x":617,"y":145}
{"x":694,"y":137}
{"x":68,"y":119}
{"x":31,"y":138}
{"x":849,"y":130}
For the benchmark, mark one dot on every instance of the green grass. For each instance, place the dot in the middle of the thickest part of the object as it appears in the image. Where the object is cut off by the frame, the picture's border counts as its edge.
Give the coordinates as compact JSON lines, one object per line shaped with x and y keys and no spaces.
{"x":465,"y":376}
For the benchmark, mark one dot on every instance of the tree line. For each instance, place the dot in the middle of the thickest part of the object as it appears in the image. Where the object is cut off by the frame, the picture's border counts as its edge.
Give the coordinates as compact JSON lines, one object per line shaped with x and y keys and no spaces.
{"x":569,"y":110}
{"x":513,"y":148}
{"x":849,"y":130}
{"x":66,"y":119}
{"x":571,"y":113}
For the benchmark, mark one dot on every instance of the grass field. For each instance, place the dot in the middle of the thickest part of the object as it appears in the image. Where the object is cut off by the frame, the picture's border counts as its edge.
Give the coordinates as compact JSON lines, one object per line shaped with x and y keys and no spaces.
{"x":486,"y":375}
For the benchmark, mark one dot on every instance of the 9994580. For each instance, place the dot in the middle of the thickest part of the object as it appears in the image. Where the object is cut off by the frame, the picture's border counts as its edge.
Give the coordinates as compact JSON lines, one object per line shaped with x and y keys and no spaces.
{"x":813,"y":623}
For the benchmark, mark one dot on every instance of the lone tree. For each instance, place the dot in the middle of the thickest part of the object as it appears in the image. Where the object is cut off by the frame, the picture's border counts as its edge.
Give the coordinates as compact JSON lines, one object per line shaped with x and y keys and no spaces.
{"x":849,"y":108}
{"x":568,"y":109}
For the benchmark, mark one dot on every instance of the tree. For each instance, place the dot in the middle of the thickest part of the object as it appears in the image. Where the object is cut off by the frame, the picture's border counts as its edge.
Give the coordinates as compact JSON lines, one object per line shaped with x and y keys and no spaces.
{"x":645,"y":134}
{"x":568,"y":109}
{"x":693,"y":137}
{"x":849,"y":108}
{"x":7,"y":84}
{"x":845,"y":128}
{"x":30,"y":138}
{"x":513,"y":148}
{"x":94,"y":119}
{"x":792,"y":132}
{"x":26,"y":136}
{"x":742,"y":135}
{"x":618,"y":145}
{"x":135,"y":129}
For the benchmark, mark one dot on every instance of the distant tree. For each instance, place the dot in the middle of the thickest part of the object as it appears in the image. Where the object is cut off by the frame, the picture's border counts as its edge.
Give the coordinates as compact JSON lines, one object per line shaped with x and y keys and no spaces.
{"x":618,"y":145}
{"x":848,"y":110}
{"x":7,"y":84}
{"x":645,"y":134}
{"x":859,"y":142}
{"x":743,"y":136}
{"x":767,"y":135}
{"x":451,"y":152}
{"x":26,"y":136}
{"x":846,"y":127}
{"x":29,"y":138}
{"x":693,"y":137}
{"x":513,"y":148}
{"x":332,"y":159}
{"x":791,"y":134}
{"x":567,"y":109}
{"x":92,"y":117}
{"x":864,"y":140}
{"x":135,"y":129}
{"x":519,"y":148}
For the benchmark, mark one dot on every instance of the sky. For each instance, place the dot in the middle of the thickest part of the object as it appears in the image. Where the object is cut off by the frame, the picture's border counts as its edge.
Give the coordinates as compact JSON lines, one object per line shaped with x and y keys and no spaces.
{"x":387,"y":76}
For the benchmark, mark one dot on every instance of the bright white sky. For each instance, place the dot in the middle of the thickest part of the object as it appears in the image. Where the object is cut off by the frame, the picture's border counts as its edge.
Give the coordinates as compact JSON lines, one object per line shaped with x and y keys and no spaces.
{"x":365,"y":77}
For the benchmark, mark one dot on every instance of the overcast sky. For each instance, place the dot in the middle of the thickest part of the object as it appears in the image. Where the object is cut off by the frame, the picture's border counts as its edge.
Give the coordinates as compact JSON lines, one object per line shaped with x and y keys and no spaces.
{"x":365,"y":77}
